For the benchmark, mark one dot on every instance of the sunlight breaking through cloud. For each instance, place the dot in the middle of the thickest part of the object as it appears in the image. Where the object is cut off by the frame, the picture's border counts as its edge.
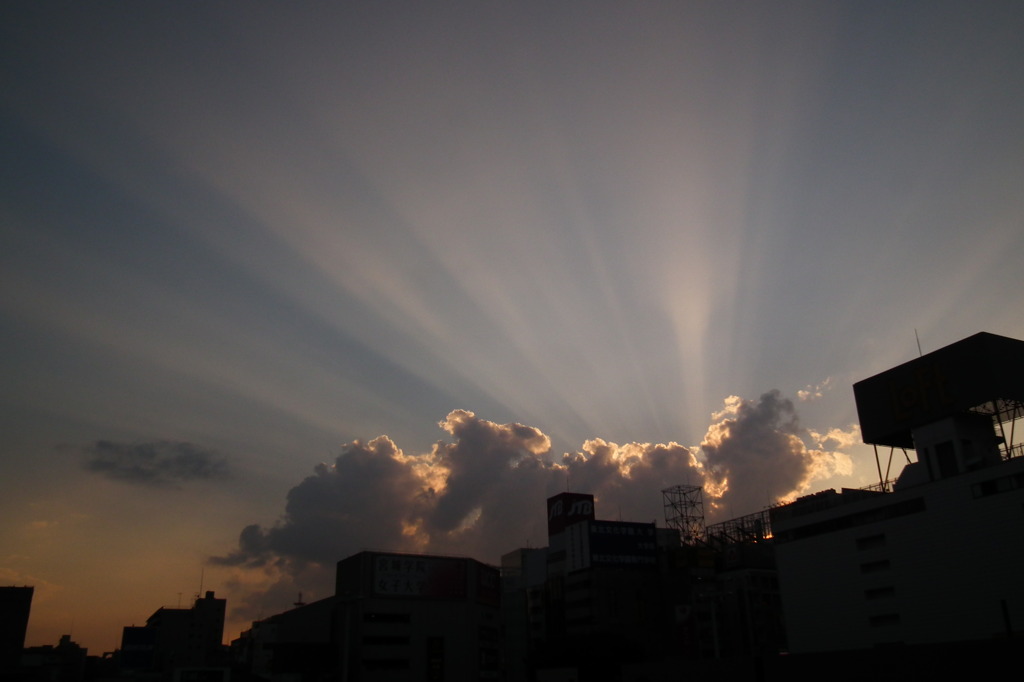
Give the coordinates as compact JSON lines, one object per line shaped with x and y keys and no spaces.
{"x":484,"y":492}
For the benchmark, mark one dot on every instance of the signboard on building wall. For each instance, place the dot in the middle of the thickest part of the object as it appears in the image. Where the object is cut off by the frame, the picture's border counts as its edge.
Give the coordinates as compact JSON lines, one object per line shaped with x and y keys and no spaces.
{"x":622,"y":543}
{"x":566,"y":509}
{"x":400,"y":575}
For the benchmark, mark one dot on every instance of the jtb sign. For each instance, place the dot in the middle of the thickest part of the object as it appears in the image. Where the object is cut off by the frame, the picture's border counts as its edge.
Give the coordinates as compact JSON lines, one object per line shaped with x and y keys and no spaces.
{"x":565,"y":509}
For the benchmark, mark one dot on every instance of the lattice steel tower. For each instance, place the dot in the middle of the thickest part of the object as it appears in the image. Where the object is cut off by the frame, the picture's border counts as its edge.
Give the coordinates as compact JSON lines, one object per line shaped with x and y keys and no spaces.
{"x":684,"y":511}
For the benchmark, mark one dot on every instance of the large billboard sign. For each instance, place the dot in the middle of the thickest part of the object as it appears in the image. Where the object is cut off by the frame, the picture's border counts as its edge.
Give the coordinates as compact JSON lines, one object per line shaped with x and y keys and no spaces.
{"x":622,"y":543}
{"x":400,"y":575}
{"x":566,"y":509}
{"x":951,"y":380}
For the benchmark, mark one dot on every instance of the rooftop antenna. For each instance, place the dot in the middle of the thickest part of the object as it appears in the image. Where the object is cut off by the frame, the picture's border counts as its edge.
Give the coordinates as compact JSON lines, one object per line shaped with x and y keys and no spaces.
{"x":918,"y":338}
{"x":299,"y":602}
{"x":684,"y":512}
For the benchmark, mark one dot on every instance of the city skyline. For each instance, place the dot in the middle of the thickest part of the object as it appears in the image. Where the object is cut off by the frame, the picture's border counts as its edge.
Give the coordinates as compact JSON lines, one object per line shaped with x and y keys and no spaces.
{"x":279,"y":283}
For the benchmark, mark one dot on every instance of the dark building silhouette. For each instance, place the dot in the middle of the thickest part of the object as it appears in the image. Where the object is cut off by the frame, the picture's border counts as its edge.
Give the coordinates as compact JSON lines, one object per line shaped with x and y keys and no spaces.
{"x":175,"y":639}
{"x":625,"y":600}
{"x":937,"y":557}
{"x":300,"y":644}
{"x":65,"y":662}
{"x":431,"y":617}
{"x":393,"y":617}
{"x":15,"y":607}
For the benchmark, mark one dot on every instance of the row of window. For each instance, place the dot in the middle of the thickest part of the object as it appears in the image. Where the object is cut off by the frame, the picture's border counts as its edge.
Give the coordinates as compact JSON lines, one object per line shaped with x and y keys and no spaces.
{"x":1003,"y":484}
{"x":875,"y":594}
{"x":893,"y":510}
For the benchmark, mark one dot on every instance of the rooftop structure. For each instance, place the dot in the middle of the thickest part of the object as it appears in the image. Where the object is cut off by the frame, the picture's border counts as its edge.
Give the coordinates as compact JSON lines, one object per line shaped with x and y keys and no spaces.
{"x":937,"y":557}
{"x":982,"y":374}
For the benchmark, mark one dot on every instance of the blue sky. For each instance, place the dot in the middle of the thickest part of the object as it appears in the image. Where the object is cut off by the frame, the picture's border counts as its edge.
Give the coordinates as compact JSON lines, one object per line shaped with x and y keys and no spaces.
{"x":237,"y":239}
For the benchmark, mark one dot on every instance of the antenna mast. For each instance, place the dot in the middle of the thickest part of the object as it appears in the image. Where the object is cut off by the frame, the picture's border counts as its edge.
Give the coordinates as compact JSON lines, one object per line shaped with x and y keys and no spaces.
{"x":684,"y":511}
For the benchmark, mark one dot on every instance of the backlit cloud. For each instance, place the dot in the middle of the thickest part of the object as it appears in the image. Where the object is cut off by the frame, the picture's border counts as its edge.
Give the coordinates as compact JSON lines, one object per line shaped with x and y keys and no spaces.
{"x":755,"y":453}
{"x":483,"y":494}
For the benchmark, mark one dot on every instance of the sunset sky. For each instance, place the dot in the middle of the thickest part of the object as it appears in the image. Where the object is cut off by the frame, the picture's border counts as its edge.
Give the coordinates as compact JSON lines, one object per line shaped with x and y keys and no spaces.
{"x":284,"y":281}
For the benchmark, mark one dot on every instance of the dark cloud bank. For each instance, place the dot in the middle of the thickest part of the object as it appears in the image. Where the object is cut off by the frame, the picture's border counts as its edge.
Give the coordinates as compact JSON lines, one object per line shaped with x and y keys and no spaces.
{"x":162,"y":463}
{"x":484,"y":493}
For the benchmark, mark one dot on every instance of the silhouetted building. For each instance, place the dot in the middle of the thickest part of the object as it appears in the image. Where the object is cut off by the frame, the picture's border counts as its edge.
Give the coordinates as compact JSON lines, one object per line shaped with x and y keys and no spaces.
{"x":625,"y":600}
{"x":393,"y":617}
{"x":523,"y":575}
{"x":409,"y":616}
{"x":15,"y":607}
{"x":299,"y":644}
{"x":65,"y":662}
{"x":939,"y":558}
{"x":174,"y":639}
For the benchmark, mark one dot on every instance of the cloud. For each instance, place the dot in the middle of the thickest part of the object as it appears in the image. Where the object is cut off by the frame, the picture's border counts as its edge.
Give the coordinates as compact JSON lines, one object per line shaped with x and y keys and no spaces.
{"x":814,"y":392}
{"x":369,"y":497}
{"x":627,"y":480}
{"x":162,"y":463}
{"x":837,"y":438}
{"x":472,"y":495}
{"x":483,"y":493}
{"x":755,"y":453}
{"x":44,"y":590}
{"x":496,"y":478}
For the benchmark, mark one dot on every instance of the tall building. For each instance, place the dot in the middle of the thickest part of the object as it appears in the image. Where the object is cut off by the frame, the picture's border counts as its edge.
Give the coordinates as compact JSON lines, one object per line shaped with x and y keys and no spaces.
{"x":523,"y":575}
{"x":175,"y":638}
{"x":15,"y":606}
{"x":612,"y":599}
{"x":938,"y":556}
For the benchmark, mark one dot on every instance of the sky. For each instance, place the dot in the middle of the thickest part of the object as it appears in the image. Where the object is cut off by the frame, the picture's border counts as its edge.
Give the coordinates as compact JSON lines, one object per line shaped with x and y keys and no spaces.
{"x":280,"y":282}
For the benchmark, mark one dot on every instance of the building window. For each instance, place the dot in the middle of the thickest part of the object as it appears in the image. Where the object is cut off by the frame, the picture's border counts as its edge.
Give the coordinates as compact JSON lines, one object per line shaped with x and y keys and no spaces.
{"x":879,"y":593}
{"x":386,"y":663}
{"x":386,"y":617}
{"x":995,"y":486}
{"x":884,"y":620}
{"x":386,"y":640}
{"x":945,"y":457}
{"x":871,"y":542}
{"x":875,"y":566}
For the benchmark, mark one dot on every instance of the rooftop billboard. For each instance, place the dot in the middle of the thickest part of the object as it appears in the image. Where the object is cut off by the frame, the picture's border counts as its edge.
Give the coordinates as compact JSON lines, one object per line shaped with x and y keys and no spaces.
{"x":969,"y":373}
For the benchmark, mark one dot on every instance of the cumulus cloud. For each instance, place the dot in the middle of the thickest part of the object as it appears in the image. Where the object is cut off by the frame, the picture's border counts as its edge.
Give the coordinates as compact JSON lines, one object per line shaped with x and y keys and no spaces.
{"x":162,"y":463}
{"x":371,"y":496}
{"x":755,"y":454}
{"x":474,"y":495}
{"x":627,"y":479}
{"x":483,"y":493}
{"x":496,"y":478}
